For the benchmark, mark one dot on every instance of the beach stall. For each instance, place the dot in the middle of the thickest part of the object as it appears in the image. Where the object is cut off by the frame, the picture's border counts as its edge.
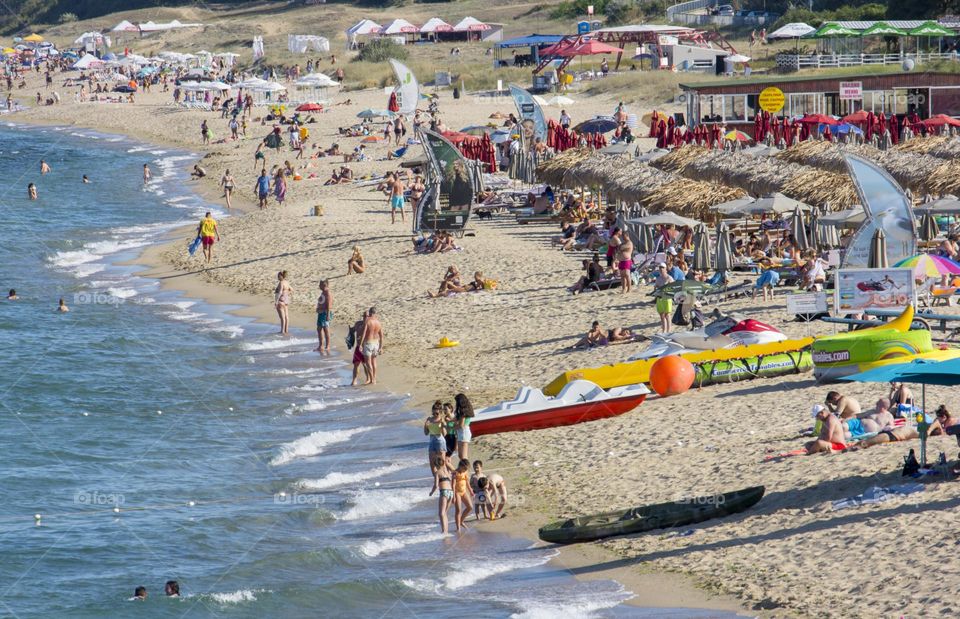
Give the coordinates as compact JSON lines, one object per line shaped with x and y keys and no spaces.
{"x":399,"y":30}
{"x":433,"y":28}
{"x":532,"y":44}
{"x":267,"y":93}
{"x":472,"y":29}
{"x":303,"y":43}
{"x":313,"y":87}
{"x":360,"y":32}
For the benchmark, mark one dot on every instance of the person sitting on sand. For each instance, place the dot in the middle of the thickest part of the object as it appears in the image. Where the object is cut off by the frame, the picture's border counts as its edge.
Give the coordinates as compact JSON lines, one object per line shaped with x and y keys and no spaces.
{"x":944,"y":420}
{"x":831,"y":435}
{"x":900,"y":394}
{"x":594,"y":274}
{"x":450,"y":284}
{"x":356,"y":263}
{"x":198,"y":172}
{"x":596,"y":336}
{"x":841,"y":405}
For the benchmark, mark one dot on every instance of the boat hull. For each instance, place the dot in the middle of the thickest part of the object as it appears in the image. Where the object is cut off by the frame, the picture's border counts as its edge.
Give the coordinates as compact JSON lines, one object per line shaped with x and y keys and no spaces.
{"x":556,"y":416}
{"x":650,"y":517}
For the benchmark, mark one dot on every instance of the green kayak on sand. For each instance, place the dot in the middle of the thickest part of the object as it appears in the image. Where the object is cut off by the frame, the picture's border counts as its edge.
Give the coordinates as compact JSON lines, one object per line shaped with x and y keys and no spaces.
{"x":678,"y":513}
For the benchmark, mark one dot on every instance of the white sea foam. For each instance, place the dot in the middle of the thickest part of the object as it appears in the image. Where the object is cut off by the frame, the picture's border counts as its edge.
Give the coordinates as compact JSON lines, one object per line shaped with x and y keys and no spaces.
{"x":337,"y":478}
{"x":236,"y":597}
{"x":375,"y":548}
{"x":137,"y":149}
{"x":275,"y":344}
{"x":289,"y":372}
{"x":231,"y":330}
{"x":86,"y":270}
{"x":380,"y":502}
{"x":467,"y":573}
{"x":576,"y":603}
{"x":122,"y":293}
{"x":313,"y":444}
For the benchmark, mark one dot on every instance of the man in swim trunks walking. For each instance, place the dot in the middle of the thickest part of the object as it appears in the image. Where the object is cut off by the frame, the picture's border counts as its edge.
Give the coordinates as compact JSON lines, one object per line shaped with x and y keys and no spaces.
{"x":324,"y":316}
{"x":371,"y":345}
{"x":208,"y":234}
{"x":356,"y":330}
{"x":263,"y":188}
{"x":396,"y":199}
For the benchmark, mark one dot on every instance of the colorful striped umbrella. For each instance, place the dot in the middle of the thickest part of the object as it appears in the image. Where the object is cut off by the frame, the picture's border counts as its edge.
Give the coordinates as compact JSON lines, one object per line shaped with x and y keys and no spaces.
{"x":929,"y":265}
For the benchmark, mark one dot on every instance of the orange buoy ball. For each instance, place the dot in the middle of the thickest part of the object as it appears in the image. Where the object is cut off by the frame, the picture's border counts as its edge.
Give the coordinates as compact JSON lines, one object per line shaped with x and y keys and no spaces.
{"x":671,"y":376}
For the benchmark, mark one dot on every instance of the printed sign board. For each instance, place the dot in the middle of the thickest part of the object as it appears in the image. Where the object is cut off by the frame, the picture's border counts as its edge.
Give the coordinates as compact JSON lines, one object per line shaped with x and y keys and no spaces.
{"x":858,"y":290}
{"x":851,"y":91}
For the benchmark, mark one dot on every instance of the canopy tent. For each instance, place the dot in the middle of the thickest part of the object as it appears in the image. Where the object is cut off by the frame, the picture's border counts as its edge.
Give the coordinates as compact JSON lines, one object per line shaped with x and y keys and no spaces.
{"x":931,"y":29}
{"x":792,"y":31}
{"x":589,"y":47}
{"x":831,"y":30}
{"x":470,"y":24}
{"x":302,"y":43}
{"x":268,"y":87}
{"x":89,"y":61}
{"x":125,"y":26}
{"x":399,"y":26}
{"x":435,"y":24}
{"x":883,"y":29}
{"x":316,"y":80}
{"x":364,"y":27}
{"x":92,"y":37}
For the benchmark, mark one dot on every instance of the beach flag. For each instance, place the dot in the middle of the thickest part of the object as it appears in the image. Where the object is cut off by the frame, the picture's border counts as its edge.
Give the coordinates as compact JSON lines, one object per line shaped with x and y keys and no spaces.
{"x":257,"y":48}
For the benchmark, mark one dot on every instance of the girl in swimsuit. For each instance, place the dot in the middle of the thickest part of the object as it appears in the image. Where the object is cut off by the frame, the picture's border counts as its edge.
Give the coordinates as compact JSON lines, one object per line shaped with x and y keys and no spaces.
{"x":228,"y":184}
{"x":462,"y":493}
{"x":282,"y":296}
{"x":433,"y":427}
{"x":442,"y":481}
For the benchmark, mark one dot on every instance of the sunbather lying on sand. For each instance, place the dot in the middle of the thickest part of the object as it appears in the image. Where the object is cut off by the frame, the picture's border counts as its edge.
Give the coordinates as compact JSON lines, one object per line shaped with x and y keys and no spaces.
{"x":596,"y":336}
{"x":894,"y":435}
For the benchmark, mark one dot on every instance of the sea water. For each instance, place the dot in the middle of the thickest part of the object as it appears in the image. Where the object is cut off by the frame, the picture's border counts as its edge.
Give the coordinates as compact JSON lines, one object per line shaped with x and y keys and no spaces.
{"x":146,"y":436}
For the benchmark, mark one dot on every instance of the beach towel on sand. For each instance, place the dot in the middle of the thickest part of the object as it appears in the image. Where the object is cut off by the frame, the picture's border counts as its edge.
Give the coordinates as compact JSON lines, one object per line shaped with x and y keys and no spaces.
{"x":876,"y":494}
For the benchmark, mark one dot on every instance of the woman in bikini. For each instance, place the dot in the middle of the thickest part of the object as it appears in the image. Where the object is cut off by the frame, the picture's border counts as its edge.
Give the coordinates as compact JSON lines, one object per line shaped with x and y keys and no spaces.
{"x":228,"y":184}
{"x":625,"y":263}
{"x":282,"y":296}
{"x":443,"y":481}
{"x":356,"y":263}
{"x":462,"y":493}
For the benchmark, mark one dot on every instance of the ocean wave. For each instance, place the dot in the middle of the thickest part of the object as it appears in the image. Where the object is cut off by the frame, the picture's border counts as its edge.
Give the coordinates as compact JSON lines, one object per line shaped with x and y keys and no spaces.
{"x":407,"y":536}
{"x":313,"y":444}
{"x":464,"y":574}
{"x":236,"y":597}
{"x":289,"y":372}
{"x":122,"y":293}
{"x":380,"y":502}
{"x":583,"y":601}
{"x":337,"y":478}
{"x":275,"y":344}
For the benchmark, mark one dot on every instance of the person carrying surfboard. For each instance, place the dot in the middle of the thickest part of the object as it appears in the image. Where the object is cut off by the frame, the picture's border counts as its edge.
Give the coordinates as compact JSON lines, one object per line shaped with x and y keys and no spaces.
{"x":208,"y":233}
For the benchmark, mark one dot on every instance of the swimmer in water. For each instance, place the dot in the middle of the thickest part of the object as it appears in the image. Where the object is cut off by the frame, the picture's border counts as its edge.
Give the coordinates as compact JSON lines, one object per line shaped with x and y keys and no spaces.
{"x":44,"y":167}
{"x":62,"y":308}
{"x":12,"y":296}
{"x":172,"y":589}
{"x":85,"y":179}
{"x":146,"y":174}
{"x":140,"y":593}
{"x":32,"y":191}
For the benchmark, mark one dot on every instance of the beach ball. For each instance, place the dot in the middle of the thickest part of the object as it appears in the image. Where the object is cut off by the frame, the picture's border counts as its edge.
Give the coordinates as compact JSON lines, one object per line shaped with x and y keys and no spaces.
{"x":671,"y":376}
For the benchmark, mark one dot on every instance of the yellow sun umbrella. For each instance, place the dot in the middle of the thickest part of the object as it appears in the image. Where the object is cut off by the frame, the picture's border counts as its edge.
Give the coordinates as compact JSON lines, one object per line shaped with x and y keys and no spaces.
{"x":9,"y":50}
{"x":34,"y":38}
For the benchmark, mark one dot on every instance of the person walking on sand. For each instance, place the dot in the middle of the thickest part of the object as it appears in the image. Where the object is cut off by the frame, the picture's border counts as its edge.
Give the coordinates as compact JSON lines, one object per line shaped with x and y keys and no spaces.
{"x":371,"y":344}
{"x":664,"y":301}
{"x":282,"y":295}
{"x":324,"y":316}
{"x":205,"y":132}
{"x":280,"y":187}
{"x":263,"y":188}
{"x":625,"y":262}
{"x":228,"y":183}
{"x":146,"y":174}
{"x":396,"y":199}
{"x":353,"y":341}
{"x":44,"y":167}
{"x":208,"y":233}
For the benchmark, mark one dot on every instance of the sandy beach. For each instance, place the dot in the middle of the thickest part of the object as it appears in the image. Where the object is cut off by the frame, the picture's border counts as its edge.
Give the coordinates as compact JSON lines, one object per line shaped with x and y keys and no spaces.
{"x":791,"y":555}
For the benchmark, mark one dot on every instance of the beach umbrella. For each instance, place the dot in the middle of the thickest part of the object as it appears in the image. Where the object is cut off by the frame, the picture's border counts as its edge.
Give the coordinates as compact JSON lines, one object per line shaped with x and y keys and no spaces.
{"x":645,"y":238}
{"x":928,"y":265}
{"x":478,"y":130}
{"x":724,"y":251}
{"x":370,"y":113}
{"x":600,"y":124}
{"x":849,"y":218}
{"x":799,"y":229}
{"x":946,"y":205}
{"x":33,"y":38}
{"x":776,"y":203}
{"x":847,"y":128}
{"x":878,"y":250}
{"x":665,"y":218}
{"x":732,"y":206}
{"x":858,"y":117}
{"x":928,"y":227}
{"x":310,"y":107}
{"x":819,"y":119}
{"x":833,"y":29}
{"x":737,"y":136}
{"x":701,"y":248}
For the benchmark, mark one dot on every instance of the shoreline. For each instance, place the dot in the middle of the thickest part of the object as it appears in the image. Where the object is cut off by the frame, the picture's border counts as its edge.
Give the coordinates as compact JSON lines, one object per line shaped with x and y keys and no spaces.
{"x":650,"y":588}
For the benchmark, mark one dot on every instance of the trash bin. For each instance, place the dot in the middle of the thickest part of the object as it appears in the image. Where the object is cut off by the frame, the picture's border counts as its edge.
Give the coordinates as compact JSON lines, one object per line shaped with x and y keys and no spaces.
{"x":456,"y":93}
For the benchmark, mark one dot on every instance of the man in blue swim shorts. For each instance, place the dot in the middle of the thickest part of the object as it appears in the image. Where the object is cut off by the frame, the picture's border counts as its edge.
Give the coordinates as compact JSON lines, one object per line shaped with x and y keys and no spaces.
{"x":396,"y":199}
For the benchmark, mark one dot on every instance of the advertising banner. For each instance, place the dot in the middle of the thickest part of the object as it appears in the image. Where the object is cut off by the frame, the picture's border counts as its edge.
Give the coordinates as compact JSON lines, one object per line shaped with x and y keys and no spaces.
{"x":857,"y":290}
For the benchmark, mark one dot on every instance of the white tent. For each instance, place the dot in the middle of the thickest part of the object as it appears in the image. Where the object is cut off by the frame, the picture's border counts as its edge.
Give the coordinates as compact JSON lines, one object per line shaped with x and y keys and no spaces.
{"x":315,"y":80}
{"x":302,"y":43}
{"x":89,"y":61}
{"x":364,"y":27}
{"x":398,"y":26}
{"x":791,"y":31}
{"x":435,"y":24}
{"x":268,"y":87}
{"x":253,"y":82}
{"x":124,"y":26}
{"x":470,"y":24}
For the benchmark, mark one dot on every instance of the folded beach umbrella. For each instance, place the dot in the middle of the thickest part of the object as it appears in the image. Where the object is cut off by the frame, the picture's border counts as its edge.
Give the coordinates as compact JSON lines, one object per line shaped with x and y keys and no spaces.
{"x":645,"y":244}
{"x":815,"y":238}
{"x":928,"y":265}
{"x":829,"y":235}
{"x":799,"y":229}
{"x":878,"y":250}
{"x":724,"y":251}
{"x":928,"y":227}
{"x":701,"y":248}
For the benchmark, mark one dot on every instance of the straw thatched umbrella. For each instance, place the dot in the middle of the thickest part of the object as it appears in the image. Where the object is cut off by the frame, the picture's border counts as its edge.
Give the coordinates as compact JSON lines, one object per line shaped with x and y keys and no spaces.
{"x":878,"y":250}
{"x":701,"y":248}
{"x":928,"y":227}
{"x":724,"y":252}
{"x":799,"y":229}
